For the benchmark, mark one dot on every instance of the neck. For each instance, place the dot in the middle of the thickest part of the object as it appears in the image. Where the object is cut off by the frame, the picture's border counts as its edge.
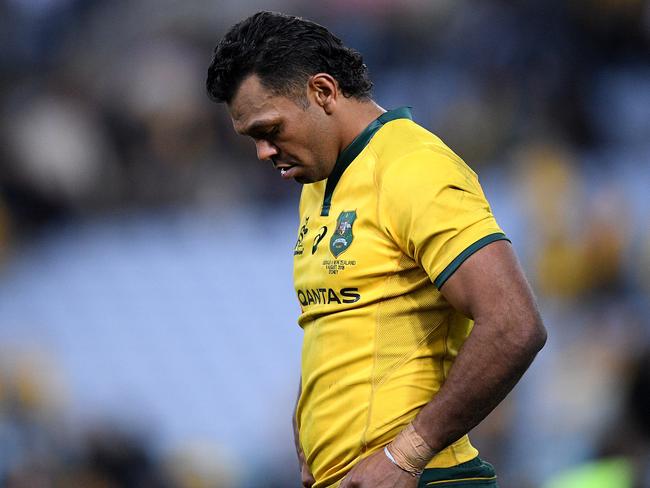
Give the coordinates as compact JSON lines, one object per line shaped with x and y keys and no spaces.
{"x":356,"y":119}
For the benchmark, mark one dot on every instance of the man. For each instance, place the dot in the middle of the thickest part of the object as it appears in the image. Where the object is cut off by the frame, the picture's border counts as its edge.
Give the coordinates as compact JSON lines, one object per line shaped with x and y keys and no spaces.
{"x":397,"y":255}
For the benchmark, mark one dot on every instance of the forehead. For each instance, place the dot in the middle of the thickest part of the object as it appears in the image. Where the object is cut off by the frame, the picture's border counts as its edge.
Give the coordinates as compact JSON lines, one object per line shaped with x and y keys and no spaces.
{"x":254,"y":104}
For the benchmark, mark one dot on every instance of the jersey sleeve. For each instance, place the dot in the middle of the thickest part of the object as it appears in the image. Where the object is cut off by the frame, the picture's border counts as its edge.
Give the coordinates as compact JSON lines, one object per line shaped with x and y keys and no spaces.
{"x":432,"y":205}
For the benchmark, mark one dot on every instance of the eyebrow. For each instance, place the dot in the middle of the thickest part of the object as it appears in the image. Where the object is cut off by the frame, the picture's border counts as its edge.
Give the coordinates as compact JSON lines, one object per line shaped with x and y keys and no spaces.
{"x":258,"y":126}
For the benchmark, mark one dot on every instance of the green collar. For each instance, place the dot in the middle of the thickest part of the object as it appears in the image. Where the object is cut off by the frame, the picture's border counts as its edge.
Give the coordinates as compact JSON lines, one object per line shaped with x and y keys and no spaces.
{"x":350,"y":153}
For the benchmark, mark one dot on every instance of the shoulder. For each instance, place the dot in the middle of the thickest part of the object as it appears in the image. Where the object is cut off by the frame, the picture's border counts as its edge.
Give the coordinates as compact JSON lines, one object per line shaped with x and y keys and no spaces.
{"x":408,"y":155}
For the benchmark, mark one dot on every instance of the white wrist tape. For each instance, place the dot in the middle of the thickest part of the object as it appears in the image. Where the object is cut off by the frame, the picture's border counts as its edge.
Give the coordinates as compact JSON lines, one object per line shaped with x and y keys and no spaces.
{"x":389,"y":455}
{"x":409,"y":451}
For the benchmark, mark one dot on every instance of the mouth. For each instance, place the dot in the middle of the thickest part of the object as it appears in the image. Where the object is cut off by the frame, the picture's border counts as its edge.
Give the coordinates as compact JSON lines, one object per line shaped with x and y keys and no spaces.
{"x":286,"y":170}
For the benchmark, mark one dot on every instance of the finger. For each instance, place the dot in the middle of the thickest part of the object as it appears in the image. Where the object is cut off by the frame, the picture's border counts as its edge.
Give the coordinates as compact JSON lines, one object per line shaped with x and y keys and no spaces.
{"x":308,"y":482}
{"x":348,"y":482}
{"x":306,"y":476}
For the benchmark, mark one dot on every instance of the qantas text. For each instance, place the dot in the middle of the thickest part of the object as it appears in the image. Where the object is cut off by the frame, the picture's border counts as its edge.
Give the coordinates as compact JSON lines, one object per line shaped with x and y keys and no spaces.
{"x":328,"y":295}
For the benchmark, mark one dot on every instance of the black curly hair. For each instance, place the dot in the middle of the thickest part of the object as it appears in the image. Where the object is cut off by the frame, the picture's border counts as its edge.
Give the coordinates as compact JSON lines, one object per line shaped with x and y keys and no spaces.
{"x":283,"y":51}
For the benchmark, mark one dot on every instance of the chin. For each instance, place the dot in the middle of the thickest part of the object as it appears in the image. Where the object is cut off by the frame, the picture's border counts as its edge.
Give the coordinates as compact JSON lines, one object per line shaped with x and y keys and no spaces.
{"x":305,"y":179}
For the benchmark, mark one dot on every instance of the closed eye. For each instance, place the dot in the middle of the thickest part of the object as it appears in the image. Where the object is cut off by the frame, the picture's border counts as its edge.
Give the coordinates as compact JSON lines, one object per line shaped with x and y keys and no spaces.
{"x":262,"y":131}
{"x":272,"y":133}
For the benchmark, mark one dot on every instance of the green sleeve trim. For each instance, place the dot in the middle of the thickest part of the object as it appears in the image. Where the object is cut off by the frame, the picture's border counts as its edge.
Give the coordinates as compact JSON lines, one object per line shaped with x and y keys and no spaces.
{"x":460,"y":259}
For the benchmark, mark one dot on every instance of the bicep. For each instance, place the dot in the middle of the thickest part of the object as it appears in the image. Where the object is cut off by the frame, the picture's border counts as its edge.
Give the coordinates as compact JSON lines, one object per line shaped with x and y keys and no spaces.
{"x":491,"y":284}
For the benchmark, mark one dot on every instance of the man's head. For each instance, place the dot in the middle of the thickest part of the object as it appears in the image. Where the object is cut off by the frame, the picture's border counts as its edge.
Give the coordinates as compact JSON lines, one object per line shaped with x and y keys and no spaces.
{"x":284,"y":80}
{"x":283,"y":51}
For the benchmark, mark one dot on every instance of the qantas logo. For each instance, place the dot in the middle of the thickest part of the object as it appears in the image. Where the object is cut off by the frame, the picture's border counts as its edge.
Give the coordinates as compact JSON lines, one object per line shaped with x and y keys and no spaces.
{"x":325,"y":296}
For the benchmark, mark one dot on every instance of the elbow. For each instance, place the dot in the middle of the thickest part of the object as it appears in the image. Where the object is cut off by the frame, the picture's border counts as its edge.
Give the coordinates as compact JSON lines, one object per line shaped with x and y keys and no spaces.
{"x":533,"y":335}
{"x":523,"y":334}
{"x":520,"y":334}
{"x":540,"y":336}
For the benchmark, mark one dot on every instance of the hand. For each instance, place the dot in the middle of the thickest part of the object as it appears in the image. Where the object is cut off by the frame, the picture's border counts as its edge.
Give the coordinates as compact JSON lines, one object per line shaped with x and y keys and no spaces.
{"x":377,"y":471}
{"x":305,"y":475}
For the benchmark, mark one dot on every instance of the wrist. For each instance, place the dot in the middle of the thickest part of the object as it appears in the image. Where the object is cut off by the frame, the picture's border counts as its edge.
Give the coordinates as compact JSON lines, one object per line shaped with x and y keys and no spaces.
{"x":409,"y":451}
{"x":392,"y":459}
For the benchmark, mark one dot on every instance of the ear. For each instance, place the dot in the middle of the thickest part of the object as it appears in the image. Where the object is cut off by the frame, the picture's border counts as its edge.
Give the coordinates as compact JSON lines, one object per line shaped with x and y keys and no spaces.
{"x":324,"y":90}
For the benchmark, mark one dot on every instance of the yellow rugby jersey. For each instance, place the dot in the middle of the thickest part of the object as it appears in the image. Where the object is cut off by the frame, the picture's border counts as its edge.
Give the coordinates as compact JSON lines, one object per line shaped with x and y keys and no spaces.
{"x":397,"y":216}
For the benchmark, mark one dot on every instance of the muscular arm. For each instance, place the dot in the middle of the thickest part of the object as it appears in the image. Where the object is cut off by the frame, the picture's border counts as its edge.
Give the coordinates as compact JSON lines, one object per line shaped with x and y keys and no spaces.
{"x":508,"y":332}
{"x":490,"y":288}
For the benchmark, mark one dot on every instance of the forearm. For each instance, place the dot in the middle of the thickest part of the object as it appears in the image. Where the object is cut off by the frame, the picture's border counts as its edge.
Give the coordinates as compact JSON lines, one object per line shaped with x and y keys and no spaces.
{"x":487,"y":367}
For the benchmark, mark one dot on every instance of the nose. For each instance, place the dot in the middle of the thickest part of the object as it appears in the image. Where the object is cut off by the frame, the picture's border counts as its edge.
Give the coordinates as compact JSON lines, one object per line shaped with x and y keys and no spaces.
{"x":265,"y":150}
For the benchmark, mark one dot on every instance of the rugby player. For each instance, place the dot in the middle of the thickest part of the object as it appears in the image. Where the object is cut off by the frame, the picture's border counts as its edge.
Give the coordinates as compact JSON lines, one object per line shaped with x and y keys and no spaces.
{"x":417,"y":318}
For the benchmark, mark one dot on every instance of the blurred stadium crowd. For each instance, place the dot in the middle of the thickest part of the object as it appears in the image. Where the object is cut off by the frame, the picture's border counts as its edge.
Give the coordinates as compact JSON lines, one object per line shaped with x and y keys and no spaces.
{"x":147,"y":322}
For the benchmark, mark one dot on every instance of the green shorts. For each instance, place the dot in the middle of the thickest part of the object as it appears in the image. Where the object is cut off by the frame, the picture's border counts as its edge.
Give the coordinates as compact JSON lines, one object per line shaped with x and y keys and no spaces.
{"x":472,"y":474}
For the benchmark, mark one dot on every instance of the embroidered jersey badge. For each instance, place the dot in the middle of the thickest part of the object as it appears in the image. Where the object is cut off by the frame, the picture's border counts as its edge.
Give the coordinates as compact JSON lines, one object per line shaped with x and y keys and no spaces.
{"x":343,"y":237}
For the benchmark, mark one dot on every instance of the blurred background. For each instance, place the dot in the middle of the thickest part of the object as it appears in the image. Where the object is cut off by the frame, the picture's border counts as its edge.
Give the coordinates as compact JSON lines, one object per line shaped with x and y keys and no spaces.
{"x":148,"y":333}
